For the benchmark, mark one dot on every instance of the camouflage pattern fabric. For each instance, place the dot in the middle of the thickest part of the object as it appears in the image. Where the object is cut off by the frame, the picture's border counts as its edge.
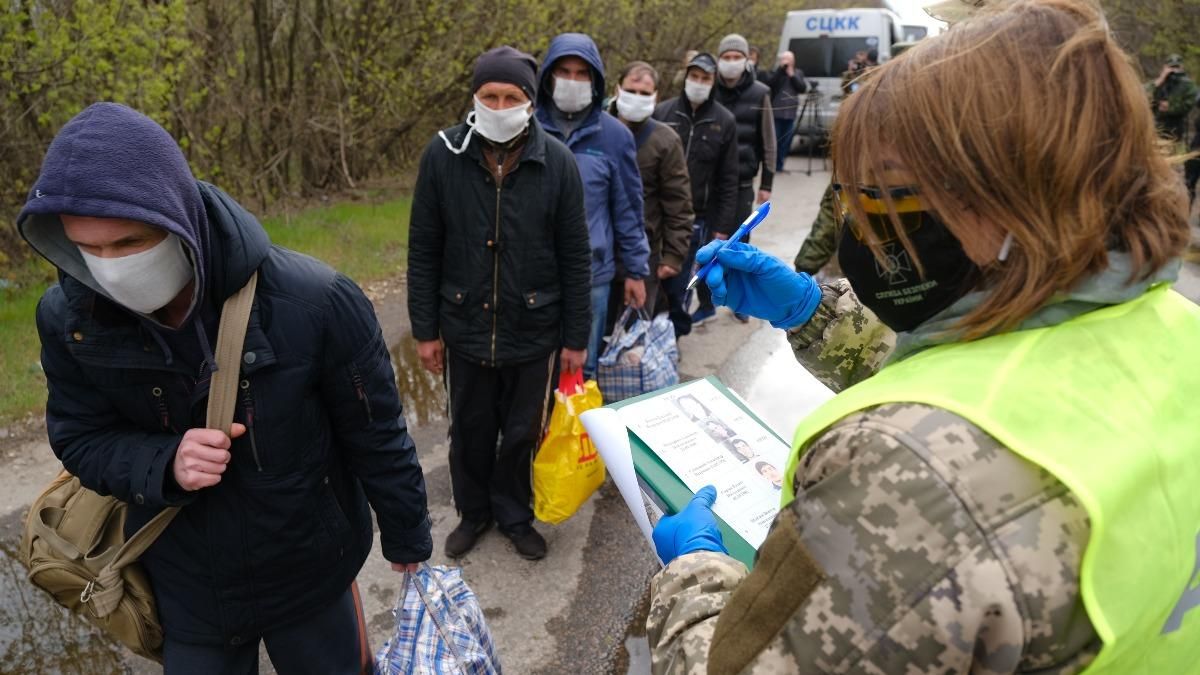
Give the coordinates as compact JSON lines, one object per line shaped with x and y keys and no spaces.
{"x":844,"y":342}
{"x":943,"y":552}
{"x":819,"y":249}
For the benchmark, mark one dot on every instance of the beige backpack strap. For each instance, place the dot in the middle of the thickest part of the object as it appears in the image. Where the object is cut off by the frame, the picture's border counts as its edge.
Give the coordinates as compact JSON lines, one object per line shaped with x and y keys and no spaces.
{"x":222,"y":396}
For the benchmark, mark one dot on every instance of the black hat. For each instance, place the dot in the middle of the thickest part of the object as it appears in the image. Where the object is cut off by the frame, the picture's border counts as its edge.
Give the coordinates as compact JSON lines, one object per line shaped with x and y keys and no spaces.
{"x":704,"y":61}
{"x":505,"y":64}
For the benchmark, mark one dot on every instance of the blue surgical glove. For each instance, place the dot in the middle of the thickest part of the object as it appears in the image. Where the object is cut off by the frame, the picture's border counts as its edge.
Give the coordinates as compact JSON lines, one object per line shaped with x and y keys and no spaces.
{"x":692,"y":529}
{"x":749,"y":281}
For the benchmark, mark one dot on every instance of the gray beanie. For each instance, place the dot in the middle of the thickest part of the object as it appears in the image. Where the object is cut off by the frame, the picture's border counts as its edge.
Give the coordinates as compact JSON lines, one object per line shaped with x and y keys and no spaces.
{"x":733,"y":43}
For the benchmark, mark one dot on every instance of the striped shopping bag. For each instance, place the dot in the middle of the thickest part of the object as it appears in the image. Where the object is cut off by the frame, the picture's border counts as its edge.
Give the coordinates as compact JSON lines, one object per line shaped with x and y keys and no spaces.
{"x":439,"y":628}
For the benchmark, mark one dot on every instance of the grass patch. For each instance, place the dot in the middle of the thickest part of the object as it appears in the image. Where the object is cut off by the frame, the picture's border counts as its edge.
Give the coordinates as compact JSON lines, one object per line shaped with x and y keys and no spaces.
{"x":363,"y":240}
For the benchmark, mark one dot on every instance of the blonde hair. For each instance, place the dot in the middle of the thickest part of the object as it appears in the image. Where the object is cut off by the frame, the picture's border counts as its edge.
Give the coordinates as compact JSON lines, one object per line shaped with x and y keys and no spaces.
{"x":1030,"y":117}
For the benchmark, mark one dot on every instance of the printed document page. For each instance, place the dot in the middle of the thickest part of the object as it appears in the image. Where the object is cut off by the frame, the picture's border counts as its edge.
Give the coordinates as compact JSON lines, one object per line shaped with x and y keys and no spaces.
{"x":706,"y":439}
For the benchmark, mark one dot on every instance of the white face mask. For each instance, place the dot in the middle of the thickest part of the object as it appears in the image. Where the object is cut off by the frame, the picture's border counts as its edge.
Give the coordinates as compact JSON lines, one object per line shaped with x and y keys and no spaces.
{"x":501,"y":126}
{"x":696,"y":93}
{"x":731,"y":69}
{"x":146,"y":281}
{"x":571,"y":96}
{"x":635,"y":107}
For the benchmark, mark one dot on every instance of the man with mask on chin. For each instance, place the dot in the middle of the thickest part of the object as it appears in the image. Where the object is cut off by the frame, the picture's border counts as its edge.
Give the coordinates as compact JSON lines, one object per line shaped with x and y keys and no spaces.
{"x":570,"y":98}
{"x":709,"y":135}
{"x":666,"y":192}
{"x":275,"y":521}
{"x":499,"y":281}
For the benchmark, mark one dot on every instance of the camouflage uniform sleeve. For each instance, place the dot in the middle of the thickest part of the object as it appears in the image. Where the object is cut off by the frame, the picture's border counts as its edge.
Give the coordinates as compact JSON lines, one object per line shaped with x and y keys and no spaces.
{"x":820,"y":245}
{"x":844,"y":342}
{"x":685,"y":599}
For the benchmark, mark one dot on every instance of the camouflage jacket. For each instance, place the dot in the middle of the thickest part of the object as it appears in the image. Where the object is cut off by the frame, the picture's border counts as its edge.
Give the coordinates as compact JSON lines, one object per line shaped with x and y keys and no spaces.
{"x":820,"y":246}
{"x":917,"y":543}
{"x":1179,"y":92}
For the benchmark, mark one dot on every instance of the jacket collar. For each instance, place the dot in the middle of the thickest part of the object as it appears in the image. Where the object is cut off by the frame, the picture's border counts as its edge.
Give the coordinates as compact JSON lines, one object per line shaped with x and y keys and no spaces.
{"x":589,"y":126}
{"x":1108,"y":287}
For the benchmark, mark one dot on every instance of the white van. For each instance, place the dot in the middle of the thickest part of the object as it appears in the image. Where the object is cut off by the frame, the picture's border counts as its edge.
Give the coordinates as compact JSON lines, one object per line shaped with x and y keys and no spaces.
{"x":824,"y":41}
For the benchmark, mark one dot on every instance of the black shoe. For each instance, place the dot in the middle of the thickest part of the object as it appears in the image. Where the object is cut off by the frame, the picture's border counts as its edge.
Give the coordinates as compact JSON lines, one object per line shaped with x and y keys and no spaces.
{"x":530,"y":545}
{"x":463,"y":538}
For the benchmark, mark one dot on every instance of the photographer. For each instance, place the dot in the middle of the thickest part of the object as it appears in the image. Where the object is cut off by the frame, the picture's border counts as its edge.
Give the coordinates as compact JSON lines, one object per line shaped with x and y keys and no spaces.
{"x":786,"y":83}
{"x":1172,"y":95}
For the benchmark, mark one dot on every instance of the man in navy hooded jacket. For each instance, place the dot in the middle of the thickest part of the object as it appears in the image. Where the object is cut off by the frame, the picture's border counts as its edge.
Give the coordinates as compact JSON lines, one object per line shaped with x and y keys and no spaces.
{"x":570,"y":108}
{"x":275,"y":523}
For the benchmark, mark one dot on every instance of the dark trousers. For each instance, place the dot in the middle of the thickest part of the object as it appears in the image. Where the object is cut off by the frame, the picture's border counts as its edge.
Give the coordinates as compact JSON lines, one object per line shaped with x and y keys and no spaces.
{"x":741,"y":211}
{"x":1191,"y":170}
{"x":675,"y":288}
{"x":784,"y":130}
{"x":496,"y":420}
{"x":334,"y":641}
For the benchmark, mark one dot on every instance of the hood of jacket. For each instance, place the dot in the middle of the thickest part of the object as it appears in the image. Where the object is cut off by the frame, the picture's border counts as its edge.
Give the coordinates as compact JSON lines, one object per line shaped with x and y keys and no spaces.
{"x":111,"y":161}
{"x":1108,"y":287}
{"x":571,"y":44}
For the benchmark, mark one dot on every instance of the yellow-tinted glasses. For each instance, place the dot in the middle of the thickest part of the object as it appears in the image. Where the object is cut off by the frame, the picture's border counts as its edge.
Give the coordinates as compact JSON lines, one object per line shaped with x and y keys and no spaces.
{"x":906,"y":201}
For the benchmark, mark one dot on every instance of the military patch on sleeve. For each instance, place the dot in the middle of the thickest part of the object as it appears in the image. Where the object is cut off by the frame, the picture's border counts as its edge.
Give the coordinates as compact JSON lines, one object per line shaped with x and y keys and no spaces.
{"x":783,"y":578}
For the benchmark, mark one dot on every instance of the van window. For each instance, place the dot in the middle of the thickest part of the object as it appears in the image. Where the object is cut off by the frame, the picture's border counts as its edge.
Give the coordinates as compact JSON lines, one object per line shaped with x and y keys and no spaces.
{"x":914,"y":33}
{"x":828,"y":56}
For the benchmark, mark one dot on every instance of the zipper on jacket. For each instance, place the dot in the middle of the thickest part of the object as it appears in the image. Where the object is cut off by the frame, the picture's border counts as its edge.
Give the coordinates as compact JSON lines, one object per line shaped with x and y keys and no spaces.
{"x":248,"y":404}
{"x":160,"y":401}
{"x":496,"y":253}
{"x":361,"y":390}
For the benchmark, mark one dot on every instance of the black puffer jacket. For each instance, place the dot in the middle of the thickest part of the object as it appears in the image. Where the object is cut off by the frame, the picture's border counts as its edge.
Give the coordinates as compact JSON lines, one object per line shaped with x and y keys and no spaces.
{"x":288,"y":527}
{"x":502,"y":274}
{"x":709,"y":135}
{"x":750,"y":102}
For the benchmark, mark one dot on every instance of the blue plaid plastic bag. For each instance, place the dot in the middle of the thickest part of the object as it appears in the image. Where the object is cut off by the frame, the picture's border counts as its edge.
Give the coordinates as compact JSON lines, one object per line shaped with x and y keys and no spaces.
{"x":439,"y":628}
{"x":641,"y":357}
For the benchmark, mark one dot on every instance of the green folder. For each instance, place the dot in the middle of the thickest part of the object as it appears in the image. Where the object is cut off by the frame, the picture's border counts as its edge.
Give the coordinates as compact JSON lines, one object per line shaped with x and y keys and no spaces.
{"x":666,"y":489}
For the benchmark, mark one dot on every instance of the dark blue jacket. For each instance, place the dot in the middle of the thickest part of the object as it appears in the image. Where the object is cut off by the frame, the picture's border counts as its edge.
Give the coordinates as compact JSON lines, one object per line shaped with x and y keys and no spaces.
{"x":607,"y":157}
{"x":287,"y":529}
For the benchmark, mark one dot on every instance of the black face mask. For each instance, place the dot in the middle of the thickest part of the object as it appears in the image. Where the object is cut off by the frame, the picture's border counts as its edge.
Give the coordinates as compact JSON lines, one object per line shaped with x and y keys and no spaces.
{"x":894,"y":290}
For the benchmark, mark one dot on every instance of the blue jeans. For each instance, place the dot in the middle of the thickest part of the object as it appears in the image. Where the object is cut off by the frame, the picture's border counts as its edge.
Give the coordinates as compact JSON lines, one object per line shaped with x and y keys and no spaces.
{"x":599,"y":317}
{"x":784,"y":130}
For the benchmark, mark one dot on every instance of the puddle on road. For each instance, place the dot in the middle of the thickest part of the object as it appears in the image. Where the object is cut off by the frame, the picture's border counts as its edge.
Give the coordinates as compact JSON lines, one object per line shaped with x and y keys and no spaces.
{"x":421,"y":392}
{"x":38,"y":636}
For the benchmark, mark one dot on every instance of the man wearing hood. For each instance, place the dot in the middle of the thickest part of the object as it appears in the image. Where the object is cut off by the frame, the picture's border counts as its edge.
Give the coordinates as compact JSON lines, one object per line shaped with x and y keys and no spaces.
{"x":709,"y":135}
{"x":750,"y":102}
{"x":570,"y":102}
{"x":499,"y":280}
{"x":275,"y":523}
{"x":666,"y":192}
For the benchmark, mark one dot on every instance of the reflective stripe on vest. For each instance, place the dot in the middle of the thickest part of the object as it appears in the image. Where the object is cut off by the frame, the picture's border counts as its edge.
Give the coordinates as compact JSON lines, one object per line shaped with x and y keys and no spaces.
{"x":1108,"y":402}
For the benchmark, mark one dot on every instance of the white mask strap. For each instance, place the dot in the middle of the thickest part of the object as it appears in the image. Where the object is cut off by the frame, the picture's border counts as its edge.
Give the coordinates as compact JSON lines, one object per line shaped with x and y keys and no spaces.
{"x":466,"y":139}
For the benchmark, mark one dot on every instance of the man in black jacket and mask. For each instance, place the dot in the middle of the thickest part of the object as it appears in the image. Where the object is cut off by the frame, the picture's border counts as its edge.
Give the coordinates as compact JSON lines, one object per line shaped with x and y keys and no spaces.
{"x":499,"y":291}
{"x":709,"y":135}
{"x":275,"y":518}
{"x":750,"y":102}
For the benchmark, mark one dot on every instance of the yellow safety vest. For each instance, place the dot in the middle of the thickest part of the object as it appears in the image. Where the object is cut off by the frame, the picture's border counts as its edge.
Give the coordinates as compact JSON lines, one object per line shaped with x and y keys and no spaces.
{"x":1109,"y":402}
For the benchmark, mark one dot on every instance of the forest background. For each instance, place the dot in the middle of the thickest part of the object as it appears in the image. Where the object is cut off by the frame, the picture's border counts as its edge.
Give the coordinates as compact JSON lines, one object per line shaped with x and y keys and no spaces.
{"x":279,"y":100}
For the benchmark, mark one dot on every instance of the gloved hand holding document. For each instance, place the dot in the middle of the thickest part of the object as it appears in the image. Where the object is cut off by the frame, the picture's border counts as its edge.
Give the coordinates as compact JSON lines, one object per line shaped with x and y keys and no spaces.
{"x":678,"y":440}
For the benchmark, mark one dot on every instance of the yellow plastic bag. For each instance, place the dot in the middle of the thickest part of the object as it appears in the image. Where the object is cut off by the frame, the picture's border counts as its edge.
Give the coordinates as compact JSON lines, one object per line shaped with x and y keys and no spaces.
{"x":567,"y":469}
